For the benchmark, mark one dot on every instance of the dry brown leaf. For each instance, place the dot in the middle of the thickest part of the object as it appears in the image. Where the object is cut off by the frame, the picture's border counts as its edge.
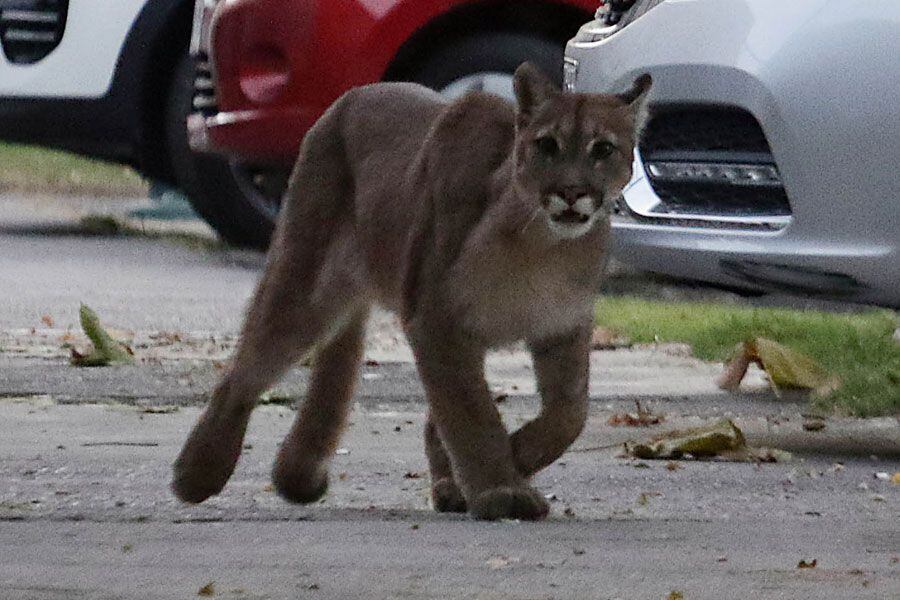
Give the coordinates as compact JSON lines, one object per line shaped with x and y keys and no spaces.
{"x":207,"y":590}
{"x":501,"y":562}
{"x":675,"y":596}
{"x":813,"y":424}
{"x":160,"y":410}
{"x":642,"y":418}
{"x":47,"y":320}
{"x":734,"y":372}
{"x":604,"y":338}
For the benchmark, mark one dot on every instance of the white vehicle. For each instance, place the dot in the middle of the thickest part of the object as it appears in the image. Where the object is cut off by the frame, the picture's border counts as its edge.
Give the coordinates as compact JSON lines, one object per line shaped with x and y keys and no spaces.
{"x":111,"y":79}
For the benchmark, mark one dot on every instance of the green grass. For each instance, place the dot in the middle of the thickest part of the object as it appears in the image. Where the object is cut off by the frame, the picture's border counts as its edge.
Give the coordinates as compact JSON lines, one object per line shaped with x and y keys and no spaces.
{"x":857,"y":347}
{"x":29,"y":169}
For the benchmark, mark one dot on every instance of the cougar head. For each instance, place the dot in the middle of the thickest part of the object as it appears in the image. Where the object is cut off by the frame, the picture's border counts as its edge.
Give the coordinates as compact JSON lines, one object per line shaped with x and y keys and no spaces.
{"x":574,"y":152}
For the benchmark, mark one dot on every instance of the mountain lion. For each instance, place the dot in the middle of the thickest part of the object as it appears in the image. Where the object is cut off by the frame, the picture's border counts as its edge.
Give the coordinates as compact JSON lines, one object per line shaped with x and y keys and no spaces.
{"x":480,"y":224}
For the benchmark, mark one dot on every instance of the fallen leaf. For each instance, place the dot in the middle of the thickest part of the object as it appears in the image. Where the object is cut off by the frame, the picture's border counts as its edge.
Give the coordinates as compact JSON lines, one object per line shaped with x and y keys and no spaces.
{"x":642,"y":418}
{"x":501,"y":562}
{"x":808,"y":565}
{"x":675,"y":596}
{"x":735,"y":369}
{"x":786,"y":368}
{"x":270,"y":397}
{"x":813,"y":424}
{"x":672,"y":466}
{"x":604,"y":338}
{"x":699,"y":441}
{"x":895,"y":478}
{"x":160,"y":410}
{"x":106,"y":350}
{"x":207,"y":590}
{"x":47,"y":320}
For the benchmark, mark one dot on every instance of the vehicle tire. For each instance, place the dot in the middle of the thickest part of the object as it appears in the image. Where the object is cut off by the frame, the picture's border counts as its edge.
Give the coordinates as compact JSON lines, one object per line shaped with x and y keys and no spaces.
{"x":230,"y":196}
{"x":501,"y":53}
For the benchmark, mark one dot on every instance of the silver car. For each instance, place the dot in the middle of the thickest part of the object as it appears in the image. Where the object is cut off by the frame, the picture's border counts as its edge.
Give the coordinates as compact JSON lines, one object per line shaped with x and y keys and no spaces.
{"x":772,"y":158}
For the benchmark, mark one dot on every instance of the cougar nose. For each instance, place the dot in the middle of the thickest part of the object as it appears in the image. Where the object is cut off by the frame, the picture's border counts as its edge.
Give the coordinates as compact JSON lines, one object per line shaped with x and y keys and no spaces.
{"x":572,"y":193}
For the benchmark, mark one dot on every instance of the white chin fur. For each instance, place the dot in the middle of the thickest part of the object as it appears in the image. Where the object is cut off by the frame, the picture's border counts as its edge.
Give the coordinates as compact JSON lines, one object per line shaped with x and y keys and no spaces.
{"x":570,"y":231}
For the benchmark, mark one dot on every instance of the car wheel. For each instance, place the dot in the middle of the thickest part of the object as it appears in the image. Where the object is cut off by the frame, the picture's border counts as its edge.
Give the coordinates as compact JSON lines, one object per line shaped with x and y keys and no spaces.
{"x":238,"y":200}
{"x":486,"y":62}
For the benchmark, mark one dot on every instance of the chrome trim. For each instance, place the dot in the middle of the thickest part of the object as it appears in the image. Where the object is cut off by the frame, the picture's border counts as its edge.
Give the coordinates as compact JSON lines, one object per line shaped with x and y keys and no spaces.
{"x":737,"y":174}
{"x":24,"y":35}
{"x":11,"y":15}
{"x":642,"y":201}
{"x":203,"y":14}
{"x":592,"y":32}
{"x":570,"y":74}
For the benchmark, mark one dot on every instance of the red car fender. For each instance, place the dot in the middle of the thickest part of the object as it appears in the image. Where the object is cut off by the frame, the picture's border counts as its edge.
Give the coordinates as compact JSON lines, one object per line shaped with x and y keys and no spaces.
{"x":280,"y":63}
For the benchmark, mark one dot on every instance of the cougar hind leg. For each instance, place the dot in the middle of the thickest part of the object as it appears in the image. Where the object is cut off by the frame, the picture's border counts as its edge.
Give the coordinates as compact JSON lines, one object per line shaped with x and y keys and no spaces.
{"x":300,"y":472}
{"x":295,"y":304}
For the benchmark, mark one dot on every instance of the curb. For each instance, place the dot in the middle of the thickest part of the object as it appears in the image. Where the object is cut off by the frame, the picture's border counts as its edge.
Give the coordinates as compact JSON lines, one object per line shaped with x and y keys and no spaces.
{"x":844,"y":436}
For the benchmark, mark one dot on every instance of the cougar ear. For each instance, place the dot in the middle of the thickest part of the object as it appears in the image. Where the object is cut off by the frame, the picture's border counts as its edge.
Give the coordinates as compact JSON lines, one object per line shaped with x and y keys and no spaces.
{"x":533,"y":89}
{"x":636,"y":98}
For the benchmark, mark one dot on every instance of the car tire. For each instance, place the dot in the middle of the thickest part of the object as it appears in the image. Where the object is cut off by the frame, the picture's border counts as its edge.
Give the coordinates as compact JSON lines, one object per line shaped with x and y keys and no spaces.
{"x":220,"y":190}
{"x":498,"y":52}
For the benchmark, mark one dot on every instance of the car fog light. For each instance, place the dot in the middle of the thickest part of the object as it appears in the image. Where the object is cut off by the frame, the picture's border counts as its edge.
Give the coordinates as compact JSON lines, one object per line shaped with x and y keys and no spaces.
{"x":732,"y":174}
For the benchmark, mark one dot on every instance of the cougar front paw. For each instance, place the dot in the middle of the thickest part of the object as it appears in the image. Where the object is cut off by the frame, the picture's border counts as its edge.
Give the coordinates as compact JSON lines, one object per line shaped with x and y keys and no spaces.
{"x":509,"y":503}
{"x":207,"y":459}
{"x":446,"y":497}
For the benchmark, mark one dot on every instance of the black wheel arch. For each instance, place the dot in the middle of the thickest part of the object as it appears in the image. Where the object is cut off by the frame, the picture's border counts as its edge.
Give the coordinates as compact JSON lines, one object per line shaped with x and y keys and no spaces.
{"x":548,"y":19}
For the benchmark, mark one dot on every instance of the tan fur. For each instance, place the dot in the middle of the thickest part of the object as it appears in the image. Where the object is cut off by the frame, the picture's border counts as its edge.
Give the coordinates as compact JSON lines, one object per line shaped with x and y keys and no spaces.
{"x":445,"y":213}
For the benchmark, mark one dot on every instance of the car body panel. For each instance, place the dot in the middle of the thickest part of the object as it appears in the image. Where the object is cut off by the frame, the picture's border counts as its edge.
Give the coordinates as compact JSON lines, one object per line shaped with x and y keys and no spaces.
{"x":83,"y":64}
{"x":278,"y":64}
{"x":821,"y":82}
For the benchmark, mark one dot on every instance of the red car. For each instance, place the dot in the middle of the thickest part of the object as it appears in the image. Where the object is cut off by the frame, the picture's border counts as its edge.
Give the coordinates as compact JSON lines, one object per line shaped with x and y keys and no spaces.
{"x":267,"y":69}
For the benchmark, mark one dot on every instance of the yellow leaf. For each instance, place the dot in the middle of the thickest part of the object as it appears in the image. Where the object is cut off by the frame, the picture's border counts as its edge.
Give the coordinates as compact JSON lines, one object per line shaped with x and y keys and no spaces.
{"x":790,"y":369}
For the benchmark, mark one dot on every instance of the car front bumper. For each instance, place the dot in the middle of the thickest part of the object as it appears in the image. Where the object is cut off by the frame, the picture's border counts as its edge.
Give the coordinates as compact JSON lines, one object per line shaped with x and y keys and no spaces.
{"x":821,"y":83}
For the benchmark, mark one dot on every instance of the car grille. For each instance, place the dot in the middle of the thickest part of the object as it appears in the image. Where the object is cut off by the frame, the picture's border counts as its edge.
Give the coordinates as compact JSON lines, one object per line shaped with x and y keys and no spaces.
{"x":204,"y":88}
{"x":31,"y":29}
{"x":712,"y":162}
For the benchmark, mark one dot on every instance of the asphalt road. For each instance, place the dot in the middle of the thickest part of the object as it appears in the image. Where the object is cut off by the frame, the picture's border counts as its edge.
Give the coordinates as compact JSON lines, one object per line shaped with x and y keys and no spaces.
{"x":85,"y":511}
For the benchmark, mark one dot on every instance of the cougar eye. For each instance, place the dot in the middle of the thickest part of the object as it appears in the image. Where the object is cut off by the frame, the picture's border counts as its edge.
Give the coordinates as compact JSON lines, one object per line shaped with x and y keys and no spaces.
{"x":601,"y":149}
{"x":547,"y":145}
